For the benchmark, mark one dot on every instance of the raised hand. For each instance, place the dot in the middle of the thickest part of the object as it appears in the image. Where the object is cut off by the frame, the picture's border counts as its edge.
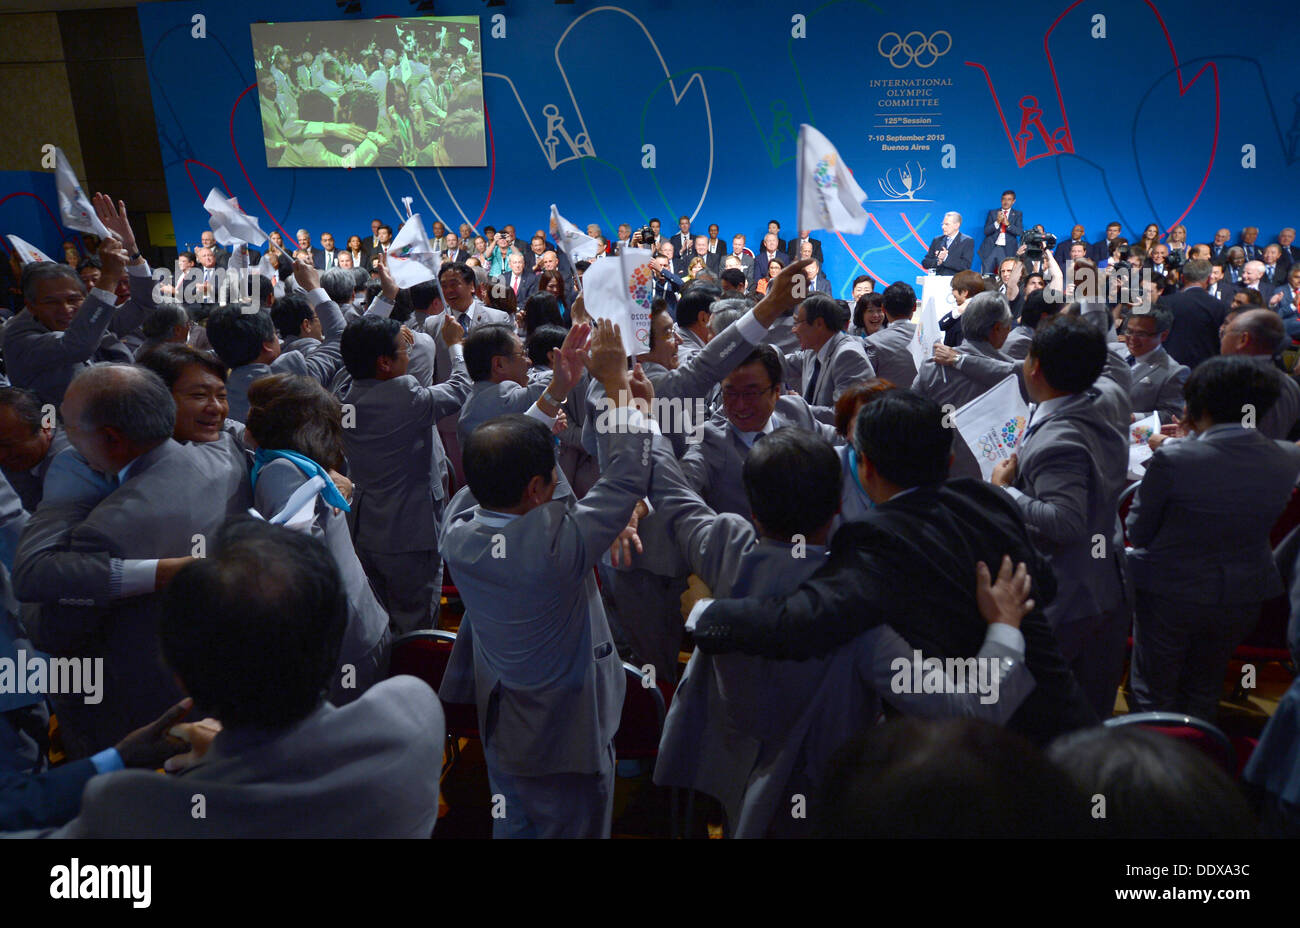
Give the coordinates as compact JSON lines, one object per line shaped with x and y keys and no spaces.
{"x":306,"y":274}
{"x":780,"y":295}
{"x":115,"y":220}
{"x":567,"y":362}
{"x":608,"y":360}
{"x":1007,"y":600}
{"x":388,"y":286}
{"x":453,"y":333}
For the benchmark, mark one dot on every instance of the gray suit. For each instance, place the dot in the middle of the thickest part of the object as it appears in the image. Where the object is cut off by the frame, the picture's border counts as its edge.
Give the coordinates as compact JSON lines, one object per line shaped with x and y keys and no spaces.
{"x":1073,"y":465}
{"x":645,"y":598}
{"x":397,"y":466}
{"x":845,"y":364}
{"x":321,"y":364}
{"x":366,"y":770}
{"x":548,"y":681}
{"x":1017,"y":344}
{"x":172,"y":494}
{"x":45,"y":362}
{"x":979,"y":368}
{"x":752,"y":732}
{"x":367,"y":641}
{"x":713,"y":466}
{"x":1202,"y":563}
{"x":1158,"y":382}
{"x":889,"y":353}
{"x":1279,"y":421}
{"x":29,"y":484}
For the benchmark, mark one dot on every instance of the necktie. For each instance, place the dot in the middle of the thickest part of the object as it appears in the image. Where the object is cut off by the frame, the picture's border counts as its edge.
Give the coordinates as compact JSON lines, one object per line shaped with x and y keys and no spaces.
{"x":1132,"y":360}
{"x":464,"y":321}
{"x":812,"y":382}
{"x":516,"y":284}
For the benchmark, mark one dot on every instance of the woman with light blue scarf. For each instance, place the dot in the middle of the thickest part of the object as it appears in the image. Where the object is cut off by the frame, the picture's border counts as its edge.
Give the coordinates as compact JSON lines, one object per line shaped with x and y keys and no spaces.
{"x":296,"y":427}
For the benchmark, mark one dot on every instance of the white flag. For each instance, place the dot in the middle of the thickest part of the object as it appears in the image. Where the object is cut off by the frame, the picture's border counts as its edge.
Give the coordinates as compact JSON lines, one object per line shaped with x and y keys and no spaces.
{"x":829,"y":197}
{"x":577,"y":245}
{"x":27,"y":252}
{"x":1139,"y":452}
{"x":992,"y":423}
{"x":936,"y":299}
{"x":230,"y":224}
{"x":621,"y":288}
{"x":74,"y":209}
{"x":411,"y":259}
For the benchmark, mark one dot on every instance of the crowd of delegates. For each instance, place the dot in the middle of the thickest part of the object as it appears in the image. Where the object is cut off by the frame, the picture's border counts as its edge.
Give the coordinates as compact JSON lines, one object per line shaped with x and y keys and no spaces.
{"x":195,"y":482}
{"x":352,"y":102}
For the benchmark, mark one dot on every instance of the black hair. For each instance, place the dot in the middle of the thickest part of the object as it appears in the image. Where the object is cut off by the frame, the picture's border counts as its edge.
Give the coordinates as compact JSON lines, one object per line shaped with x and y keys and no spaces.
{"x":541,"y":308}
{"x":792,"y":457}
{"x":289,"y":313}
{"x":236,"y":336}
{"x":865,"y":302}
{"x":827,"y":308}
{"x":767,"y":356}
{"x":266,"y":600}
{"x":460,"y":267}
{"x":170,"y":361}
{"x":1037,"y":306}
{"x":696,"y":299}
{"x":904,"y":437}
{"x":25,"y":404}
{"x":503,"y":455}
{"x":900,"y":300}
{"x":735,"y":276}
{"x":954,"y":778}
{"x":485,"y":343}
{"x":1154,"y":786}
{"x":1223,"y":386}
{"x":542,"y":340}
{"x":365,"y":341}
{"x":423,"y":294}
{"x":1071,"y":351}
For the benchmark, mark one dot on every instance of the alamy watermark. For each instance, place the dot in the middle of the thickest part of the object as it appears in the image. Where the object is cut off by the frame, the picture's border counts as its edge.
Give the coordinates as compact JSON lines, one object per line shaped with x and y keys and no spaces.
{"x":52,"y":676}
{"x":952,"y":675}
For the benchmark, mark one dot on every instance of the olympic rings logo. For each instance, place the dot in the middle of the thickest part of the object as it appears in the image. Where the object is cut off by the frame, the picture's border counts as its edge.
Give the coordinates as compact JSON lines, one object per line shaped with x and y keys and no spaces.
{"x":913,"y":48}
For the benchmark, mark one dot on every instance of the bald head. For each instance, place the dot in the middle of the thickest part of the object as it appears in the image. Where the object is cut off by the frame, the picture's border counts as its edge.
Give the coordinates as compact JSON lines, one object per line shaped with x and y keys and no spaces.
{"x":113,"y":413}
{"x":1254,"y":332}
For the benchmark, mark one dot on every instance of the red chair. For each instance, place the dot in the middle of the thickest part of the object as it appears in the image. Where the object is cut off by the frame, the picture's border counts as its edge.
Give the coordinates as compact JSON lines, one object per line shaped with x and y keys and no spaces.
{"x":1203,"y":736}
{"x":642,"y":721}
{"x":425,"y":654}
{"x":1288,"y":520}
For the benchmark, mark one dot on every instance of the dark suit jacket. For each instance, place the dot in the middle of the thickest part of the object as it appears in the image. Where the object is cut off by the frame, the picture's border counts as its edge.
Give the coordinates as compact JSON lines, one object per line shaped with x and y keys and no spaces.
{"x":317,"y":258}
{"x":45,"y":799}
{"x":460,"y":254}
{"x":336,"y":253}
{"x":792,"y":247}
{"x":925,"y":543}
{"x":762,"y":259}
{"x":527,"y":284}
{"x":1195,"y":333}
{"x":1015,"y":227}
{"x":960,"y":255}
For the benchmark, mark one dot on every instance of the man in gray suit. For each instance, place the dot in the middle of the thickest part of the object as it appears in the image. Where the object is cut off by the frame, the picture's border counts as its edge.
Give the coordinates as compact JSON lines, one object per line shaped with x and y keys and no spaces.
{"x":1157,"y":378}
{"x":29,"y":441}
{"x":889,"y":349}
{"x":457,"y":282}
{"x":749,"y":731}
{"x":1258,"y":334}
{"x":1066,"y":479}
{"x":830,"y":360}
{"x":246,"y":343}
{"x":751,"y":408}
{"x":94,"y":559}
{"x":64,"y":329}
{"x":693,"y":309}
{"x":397,"y":472}
{"x":1200,"y":577}
{"x":979,"y":366}
{"x":284,"y":763}
{"x":645,"y":592}
{"x":548,"y":680}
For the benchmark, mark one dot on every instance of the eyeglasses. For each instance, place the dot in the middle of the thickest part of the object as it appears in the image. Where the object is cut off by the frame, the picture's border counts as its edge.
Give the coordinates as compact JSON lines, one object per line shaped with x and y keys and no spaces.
{"x":731,"y":396}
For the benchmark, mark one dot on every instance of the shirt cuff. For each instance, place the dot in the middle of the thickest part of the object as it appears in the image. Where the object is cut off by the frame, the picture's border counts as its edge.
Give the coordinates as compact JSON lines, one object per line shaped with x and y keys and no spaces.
{"x":696,"y":611}
{"x":649,"y":507}
{"x":317,"y":297}
{"x":107,"y":761}
{"x":1015,"y":494}
{"x":131,"y":577}
{"x":535,"y":412}
{"x":1008,"y":636}
{"x":139,"y":270}
{"x":380,"y":306}
{"x":457,"y":352}
{"x":750,"y":329}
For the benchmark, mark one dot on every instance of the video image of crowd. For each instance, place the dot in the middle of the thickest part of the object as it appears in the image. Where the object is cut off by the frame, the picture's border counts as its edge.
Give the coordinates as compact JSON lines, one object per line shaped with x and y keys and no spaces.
{"x":371,"y":93}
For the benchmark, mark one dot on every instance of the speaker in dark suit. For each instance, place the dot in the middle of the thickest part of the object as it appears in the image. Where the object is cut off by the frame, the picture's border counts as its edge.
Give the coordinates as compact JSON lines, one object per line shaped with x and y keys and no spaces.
{"x":1002,"y":230}
{"x":950,"y":252}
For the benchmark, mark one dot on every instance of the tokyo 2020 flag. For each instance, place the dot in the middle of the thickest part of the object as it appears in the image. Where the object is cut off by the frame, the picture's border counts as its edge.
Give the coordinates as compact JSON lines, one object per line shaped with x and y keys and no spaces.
{"x":992,"y":423}
{"x":621,"y":288}
{"x":829,"y":197}
{"x":74,"y":208}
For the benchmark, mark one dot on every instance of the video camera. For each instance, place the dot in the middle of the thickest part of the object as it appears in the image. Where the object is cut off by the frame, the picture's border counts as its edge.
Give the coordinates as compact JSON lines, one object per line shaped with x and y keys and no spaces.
{"x":1036,"y":243}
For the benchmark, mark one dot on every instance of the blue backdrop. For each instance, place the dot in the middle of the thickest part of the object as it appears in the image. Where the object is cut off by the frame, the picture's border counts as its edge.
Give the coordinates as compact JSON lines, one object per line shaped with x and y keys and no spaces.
{"x":1128,"y":109}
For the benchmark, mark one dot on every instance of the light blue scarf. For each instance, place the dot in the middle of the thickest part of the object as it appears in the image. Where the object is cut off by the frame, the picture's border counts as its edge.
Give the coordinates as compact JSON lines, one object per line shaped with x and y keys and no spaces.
{"x":329,"y":492}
